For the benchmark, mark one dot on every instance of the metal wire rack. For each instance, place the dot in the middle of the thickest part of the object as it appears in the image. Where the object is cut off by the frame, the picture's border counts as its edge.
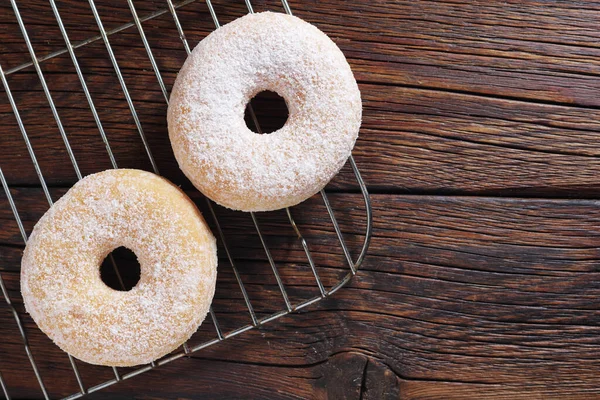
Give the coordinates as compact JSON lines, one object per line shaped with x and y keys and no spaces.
{"x":171,"y":7}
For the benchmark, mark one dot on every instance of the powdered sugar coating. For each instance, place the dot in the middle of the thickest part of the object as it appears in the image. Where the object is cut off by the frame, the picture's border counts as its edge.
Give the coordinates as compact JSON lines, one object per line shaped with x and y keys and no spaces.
{"x":60,"y":271}
{"x":228,"y":162}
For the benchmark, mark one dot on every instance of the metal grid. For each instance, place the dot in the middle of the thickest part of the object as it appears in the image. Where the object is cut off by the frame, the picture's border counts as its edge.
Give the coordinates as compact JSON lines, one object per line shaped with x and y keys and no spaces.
{"x":104,"y":36}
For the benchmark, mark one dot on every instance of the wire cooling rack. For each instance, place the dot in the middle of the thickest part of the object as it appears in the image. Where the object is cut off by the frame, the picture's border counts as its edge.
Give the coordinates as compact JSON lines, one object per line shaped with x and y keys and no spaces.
{"x":219,"y":334}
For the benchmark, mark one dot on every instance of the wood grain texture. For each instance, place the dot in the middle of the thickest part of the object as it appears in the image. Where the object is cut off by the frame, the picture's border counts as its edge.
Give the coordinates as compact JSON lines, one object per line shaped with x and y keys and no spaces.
{"x":479,"y":142}
{"x":459,"y":97}
{"x":470,"y":293}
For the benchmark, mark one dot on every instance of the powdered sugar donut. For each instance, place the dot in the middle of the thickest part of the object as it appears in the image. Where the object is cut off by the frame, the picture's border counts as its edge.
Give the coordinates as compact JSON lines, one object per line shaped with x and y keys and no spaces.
{"x":60,"y":271}
{"x":228,"y":162}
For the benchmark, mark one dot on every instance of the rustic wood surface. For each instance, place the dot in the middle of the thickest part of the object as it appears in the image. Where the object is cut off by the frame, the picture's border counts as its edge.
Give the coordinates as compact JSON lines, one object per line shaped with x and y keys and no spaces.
{"x":480,"y":146}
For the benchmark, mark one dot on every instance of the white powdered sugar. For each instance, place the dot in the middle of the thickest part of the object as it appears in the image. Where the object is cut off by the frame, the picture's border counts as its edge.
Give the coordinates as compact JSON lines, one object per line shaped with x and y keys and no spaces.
{"x":228,"y":162}
{"x":60,"y":273}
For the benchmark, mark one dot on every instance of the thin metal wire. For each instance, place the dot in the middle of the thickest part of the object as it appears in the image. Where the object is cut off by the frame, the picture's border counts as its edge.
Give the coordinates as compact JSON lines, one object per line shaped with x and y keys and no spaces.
{"x":216,"y":323}
{"x":4,"y":389}
{"x":249,"y":6}
{"x":88,"y":95}
{"x":77,"y":376}
{"x":13,"y":206}
{"x":7,"y":298}
{"x":272,"y":263}
{"x":115,"y":64}
{"x":338,"y":232}
{"x":186,"y":348}
{"x":368,"y":230}
{"x":286,"y":7}
{"x":287,"y":210}
{"x":138,"y":24}
{"x":32,"y":155}
{"x":179,"y":27}
{"x":368,"y":209}
{"x":116,"y":374}
{"x":93,"y":39}
{"x":63,"y":134}
{"x":307,"y":252}
{"x":221,"y":336}
{"x":211,"y":10}
{"x":235,"y":270}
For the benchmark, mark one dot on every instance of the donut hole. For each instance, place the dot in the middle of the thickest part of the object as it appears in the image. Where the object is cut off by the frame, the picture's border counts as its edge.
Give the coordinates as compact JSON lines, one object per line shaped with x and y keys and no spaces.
{"x":270,"y":110}
{"x":125,"y":266}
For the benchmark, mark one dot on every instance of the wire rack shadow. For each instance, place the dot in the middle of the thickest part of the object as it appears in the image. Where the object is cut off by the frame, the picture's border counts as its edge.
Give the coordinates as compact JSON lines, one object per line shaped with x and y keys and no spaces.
{"x":219,"y":334}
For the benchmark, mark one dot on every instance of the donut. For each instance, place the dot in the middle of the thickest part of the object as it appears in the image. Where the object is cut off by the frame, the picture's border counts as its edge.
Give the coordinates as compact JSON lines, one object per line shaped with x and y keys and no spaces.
{"x":221,"y":156}
{"x":60,"y":271}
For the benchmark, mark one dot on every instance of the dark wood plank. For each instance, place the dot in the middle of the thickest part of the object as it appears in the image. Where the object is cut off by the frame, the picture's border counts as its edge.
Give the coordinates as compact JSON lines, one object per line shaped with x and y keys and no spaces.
{"x":457,"y":292}
{"x":455,"y":101}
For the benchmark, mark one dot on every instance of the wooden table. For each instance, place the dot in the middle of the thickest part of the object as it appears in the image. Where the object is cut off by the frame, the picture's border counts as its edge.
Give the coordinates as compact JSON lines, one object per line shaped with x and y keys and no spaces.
{"x":479,"y":145}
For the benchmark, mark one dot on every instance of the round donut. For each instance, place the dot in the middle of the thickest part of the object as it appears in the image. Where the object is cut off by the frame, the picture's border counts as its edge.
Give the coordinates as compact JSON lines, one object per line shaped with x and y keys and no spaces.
{"x":60,"y":271}
{"x":223,"y":158}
